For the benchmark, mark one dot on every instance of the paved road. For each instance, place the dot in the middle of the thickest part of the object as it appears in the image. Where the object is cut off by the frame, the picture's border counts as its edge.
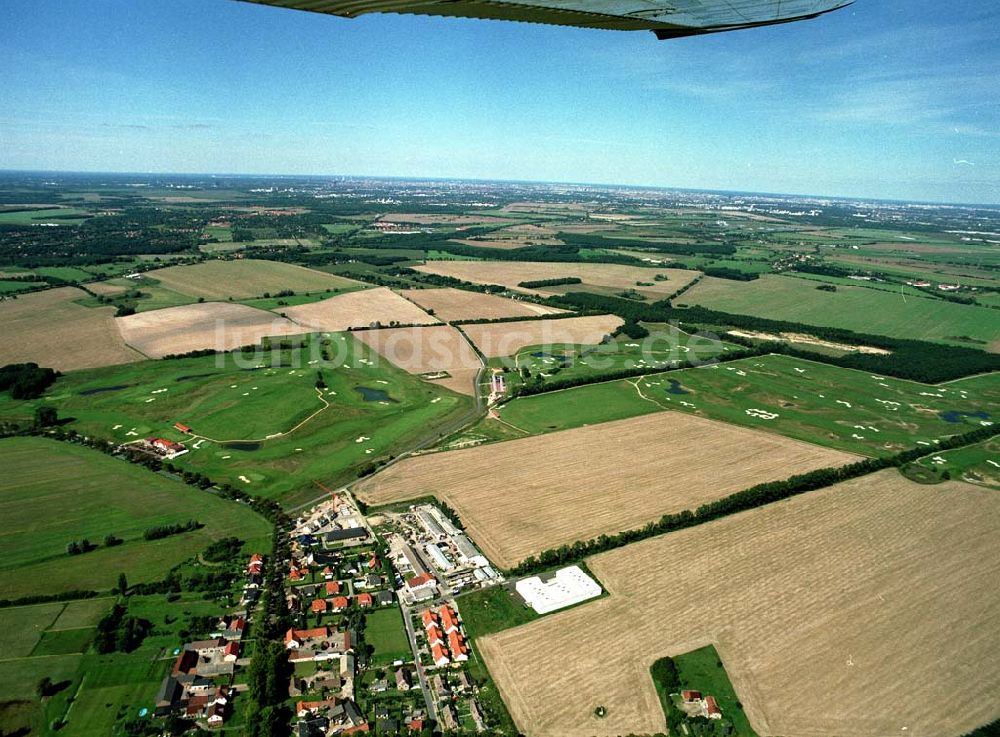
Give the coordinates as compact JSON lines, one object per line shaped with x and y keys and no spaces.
{"x":424,"y":685}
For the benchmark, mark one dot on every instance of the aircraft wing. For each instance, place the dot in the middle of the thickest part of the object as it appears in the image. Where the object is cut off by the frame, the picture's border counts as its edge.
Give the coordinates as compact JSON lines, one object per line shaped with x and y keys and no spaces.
{"x":666,"y":18}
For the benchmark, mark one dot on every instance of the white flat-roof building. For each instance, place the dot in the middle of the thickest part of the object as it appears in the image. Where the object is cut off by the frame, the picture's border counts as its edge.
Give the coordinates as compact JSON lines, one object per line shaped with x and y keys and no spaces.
{"x":568,"y":586}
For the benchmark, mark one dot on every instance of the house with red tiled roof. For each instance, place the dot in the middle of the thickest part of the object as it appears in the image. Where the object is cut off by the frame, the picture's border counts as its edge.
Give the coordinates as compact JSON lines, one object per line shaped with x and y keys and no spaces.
{"x":416,"y":725}
{"x":428,"y":618}
{"x":180,"y":427}
{"x":364,"y":600}
{"x":340,"y":603}
{"x":691,"y":696}
{"x":458,"y":650}
{"x":712,"y":710}
{"x":449,"y":621}
{"x":439,"y":656}
{"x":186,"y":662}
{"x":319,"y":606}
{"x":328,"y":573}
{"x":295,"y":638}
{"x":232,"y":652}
{"x":332,"y":588}
{"x":434,"y":636}
{"x":294,"y":575}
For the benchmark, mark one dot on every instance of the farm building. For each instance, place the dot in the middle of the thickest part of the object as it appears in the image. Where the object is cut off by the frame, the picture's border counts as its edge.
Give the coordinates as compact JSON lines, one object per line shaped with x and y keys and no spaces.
{"x":568,"y":586}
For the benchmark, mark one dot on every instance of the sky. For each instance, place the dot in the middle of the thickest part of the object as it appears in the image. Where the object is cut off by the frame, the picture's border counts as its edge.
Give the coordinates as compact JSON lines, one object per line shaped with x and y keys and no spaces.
{"x":891,"y":99}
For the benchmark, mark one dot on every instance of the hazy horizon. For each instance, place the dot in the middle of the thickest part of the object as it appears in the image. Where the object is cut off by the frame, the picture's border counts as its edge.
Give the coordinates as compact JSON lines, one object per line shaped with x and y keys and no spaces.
{"x":889,"y":100}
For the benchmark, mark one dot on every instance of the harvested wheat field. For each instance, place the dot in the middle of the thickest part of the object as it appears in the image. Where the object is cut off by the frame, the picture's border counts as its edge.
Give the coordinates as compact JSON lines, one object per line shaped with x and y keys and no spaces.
{"x":218,"y":326}
{"x":426,"y":350}
{"x":520,"y":497}
{"x":51,"y":330}
{"x":601,"y":276}
{"x":865,"y":609}
{"x":458,"y":304}
{"x":359,"y":310}
{"x":507,"y":338}
{"x":245,"y":278}
{"x":424,"y":218}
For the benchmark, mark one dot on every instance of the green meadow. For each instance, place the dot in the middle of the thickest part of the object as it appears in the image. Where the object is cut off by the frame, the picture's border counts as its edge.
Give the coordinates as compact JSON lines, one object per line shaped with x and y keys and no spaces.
{"x":664,"y":347}
{"x":260,"y":422}
{"x":52,"y":493}
{"x":856,"y":308}
{"x":384,"y":631}
{"x":93,"y":692}
{"x":977,"y":464}
{"x":831,"y":406}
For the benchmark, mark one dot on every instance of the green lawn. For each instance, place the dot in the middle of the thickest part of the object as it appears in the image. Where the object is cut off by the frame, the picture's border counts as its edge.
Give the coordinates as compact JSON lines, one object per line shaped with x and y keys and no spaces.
{"x":836,"y":407}
{"x":86,"y":494}
{"x":854,"y":308}
{"x":665,"y":346}
{"x":702,"y":670}
{"x":64,"y":642}
{"x":978,"y":464}
{"x":104,"y":688}
{"x":55,"y":215}
{"x":490,"y":610}
{"x":226,"y":398}
{"x":21,"y":628}
{"x":384,"y":631}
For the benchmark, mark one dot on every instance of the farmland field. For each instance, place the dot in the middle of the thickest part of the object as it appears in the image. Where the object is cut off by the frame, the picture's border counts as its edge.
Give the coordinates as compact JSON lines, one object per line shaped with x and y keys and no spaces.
{"x":851,"y":307}
{"x":359,"y":309}
{"x":212,"y":325}
{"x":520,"y":497}
{"x":89,"y":495}
{"x":242,"y":400}
{"x":507,"y":338}
{"x":823,"y":608}
{"x":453,"y":305}
{"x":49,"y":329}
{"x":429,"y":349}
{"x":244,"y":278}
{"x":837,"y":407}
{"x":604,"y":278}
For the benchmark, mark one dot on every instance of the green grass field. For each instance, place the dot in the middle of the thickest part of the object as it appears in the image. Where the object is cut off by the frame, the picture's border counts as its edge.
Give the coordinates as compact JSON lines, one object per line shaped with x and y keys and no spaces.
{"x":978,"y":464}
{"x":384,"y":631}
{"x":104,"y":688}
{"x":52,"y":493}
{"x":831,"y":406}
{"x":227,"y":399}
{"x":854,"y":308}
{"x":702,"y":670}
{"x":55,"y":215}
{"x":664,"y":347}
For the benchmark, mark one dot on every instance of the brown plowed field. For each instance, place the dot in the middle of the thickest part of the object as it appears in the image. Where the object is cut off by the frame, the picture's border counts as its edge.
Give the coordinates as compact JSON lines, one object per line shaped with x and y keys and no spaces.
{"x":606,"y":276}
{"x":245,"y":278}
{"x":507,"y":338}
{"x":458,"y":304}
{"x":520,"y":497}
{"x":215,"y":325}
{"x":49,"y":329}
{"x":865,"y":609}
{"x":358,"y":309}
{"x":425,"y":350}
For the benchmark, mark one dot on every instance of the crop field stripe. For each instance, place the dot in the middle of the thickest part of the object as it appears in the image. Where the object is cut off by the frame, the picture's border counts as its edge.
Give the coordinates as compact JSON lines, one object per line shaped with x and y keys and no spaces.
{"x":823,"y":607}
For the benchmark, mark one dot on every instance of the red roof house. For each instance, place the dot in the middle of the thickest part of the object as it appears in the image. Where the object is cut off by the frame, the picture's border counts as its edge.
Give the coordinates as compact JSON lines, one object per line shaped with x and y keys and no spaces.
{"x":365,"y":599}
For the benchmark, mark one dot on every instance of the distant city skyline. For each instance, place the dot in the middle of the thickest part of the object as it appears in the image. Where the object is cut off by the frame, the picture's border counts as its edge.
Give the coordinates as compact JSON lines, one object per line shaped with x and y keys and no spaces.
{"x":883,"y":100}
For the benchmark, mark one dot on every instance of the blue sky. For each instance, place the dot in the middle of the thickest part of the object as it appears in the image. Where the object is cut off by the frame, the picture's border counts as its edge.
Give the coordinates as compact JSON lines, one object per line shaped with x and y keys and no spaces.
{"x":887,"y":98}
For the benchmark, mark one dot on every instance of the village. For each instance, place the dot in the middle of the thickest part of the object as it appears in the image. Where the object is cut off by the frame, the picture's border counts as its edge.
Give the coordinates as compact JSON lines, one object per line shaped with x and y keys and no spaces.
{"x":379,"y":644}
